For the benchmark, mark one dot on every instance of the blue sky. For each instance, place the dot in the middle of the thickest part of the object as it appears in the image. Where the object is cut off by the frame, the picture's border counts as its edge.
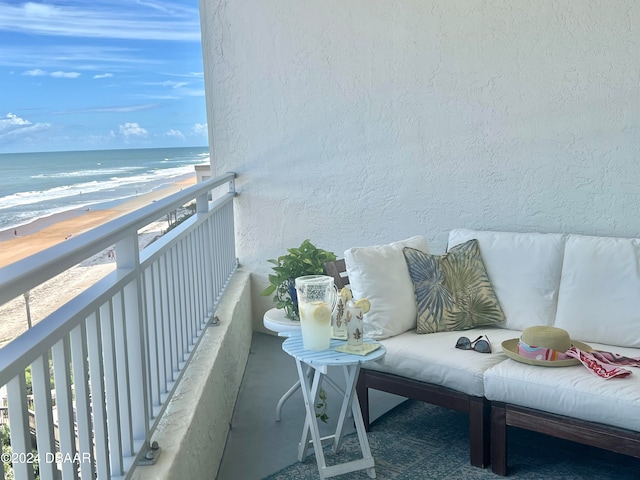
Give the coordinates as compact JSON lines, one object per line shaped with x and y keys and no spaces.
{"x":100,"y":74}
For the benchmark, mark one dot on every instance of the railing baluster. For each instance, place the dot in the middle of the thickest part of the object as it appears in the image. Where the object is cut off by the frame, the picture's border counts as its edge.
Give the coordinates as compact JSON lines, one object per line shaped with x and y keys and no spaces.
{"x":109,"y":319}
{"x":174,"y":305}
{"x":179,"y":299}
{"x":188,"y":296}
{"x":165,"y":323}
{"x":206,"y":285}
{"x":41,"y":385}
{"x":124,"y":401}
{"x":64,"y":402}
{"x":19,"y":422}
{"x":182,"y":289}
{"x":98,"y":397}
{"x":215,"y":257}
{"x":195,"y":311}
{"x":201,"y":304}
{"x":148,"y":286}
{"x":136,"y":361}
{"x":82,"y":400}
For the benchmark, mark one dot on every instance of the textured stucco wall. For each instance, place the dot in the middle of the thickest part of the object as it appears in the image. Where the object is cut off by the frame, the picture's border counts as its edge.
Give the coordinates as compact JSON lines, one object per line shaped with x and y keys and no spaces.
{"x":367,"y":121}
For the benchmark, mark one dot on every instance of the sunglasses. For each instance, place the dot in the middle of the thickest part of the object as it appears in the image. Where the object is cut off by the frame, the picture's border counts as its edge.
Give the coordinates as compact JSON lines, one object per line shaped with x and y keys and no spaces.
{"x":479,"y":344}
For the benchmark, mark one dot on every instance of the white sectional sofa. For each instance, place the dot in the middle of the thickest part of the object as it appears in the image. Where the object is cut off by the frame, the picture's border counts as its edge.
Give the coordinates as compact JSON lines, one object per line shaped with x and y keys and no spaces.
{"x":589,"y":286}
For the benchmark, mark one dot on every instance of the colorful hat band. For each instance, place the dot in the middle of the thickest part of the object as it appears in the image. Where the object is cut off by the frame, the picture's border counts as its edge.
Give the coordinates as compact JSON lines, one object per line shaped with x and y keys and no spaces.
{"x":540,"y":353}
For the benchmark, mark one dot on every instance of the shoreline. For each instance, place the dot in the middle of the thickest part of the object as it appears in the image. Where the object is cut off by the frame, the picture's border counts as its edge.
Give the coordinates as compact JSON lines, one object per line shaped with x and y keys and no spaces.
{"x":47,"y":231}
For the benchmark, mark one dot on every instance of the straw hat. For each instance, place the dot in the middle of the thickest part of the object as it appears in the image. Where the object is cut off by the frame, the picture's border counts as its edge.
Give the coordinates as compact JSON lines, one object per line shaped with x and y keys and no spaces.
{"x":544,"y":337}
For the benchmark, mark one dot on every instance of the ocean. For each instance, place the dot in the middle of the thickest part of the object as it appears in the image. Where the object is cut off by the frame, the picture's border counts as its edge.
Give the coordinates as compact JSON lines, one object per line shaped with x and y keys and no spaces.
{"x":37,"y":185}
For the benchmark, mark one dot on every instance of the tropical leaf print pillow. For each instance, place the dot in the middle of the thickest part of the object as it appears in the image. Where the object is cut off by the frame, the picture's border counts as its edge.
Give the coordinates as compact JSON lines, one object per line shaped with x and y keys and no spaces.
{"x":453,"y":291}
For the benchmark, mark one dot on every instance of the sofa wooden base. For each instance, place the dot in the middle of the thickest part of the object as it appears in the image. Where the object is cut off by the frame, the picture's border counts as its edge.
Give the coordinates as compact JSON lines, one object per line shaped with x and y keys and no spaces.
{"x":478,"y":408}
{"x":614,"y":439}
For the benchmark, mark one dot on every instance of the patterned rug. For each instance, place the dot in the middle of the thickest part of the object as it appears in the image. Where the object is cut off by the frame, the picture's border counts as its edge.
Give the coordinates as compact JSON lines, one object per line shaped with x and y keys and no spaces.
{"x":417,"y":441}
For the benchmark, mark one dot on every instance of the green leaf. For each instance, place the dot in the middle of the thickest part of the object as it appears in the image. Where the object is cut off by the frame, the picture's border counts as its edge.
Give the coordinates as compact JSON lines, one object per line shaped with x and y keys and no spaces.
{"x":323,"y":417}
{"x":268,"y":291}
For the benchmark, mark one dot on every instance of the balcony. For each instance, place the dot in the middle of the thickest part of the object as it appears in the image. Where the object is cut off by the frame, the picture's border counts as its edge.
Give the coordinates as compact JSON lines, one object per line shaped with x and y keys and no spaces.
{"x":168,"y":335}
{"x":108,"y":368}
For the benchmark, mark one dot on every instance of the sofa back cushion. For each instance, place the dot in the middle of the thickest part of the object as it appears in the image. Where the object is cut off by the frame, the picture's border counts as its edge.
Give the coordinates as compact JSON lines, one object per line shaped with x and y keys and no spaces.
{"x":524,"y":270}
{"x":380,"y":274}
{"x":599,"y":299}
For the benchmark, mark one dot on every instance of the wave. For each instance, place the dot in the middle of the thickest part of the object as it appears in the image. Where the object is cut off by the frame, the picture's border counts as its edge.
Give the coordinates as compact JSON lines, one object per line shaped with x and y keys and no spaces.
{"x":88,"y":173}
{"x":92,"y":187}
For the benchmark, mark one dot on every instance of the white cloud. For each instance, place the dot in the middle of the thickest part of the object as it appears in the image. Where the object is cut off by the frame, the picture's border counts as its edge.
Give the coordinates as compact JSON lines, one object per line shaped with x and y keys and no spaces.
{"x":174,"y":133}
{"x":103,"y":75}
{"x":38,"y":10}
{"x":193,"y":92}
{"x":13,"y":127}
{"x":171,"y":84}
{"x":12,"y":119}
{"x":132,"y":129}
{"x":167,"y":83}
{"x":200,"y":129}
{"x":77,"y":57}
{"x":36,"y":72}
{"x":121,"y":109}
{"x":65,"y":74}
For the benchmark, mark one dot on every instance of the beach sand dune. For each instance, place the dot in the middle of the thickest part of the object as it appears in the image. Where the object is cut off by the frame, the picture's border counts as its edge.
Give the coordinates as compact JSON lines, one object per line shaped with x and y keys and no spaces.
{"x":43,"y":234}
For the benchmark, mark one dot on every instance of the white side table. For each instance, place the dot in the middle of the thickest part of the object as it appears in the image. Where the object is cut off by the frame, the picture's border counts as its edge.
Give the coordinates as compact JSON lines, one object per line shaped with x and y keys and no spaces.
{"x":276,"y":321}
{"x":312,"y":369}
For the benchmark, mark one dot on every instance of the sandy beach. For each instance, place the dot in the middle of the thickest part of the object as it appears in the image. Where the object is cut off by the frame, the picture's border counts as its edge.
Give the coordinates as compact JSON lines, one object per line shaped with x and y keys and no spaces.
{"x":46,"y":232}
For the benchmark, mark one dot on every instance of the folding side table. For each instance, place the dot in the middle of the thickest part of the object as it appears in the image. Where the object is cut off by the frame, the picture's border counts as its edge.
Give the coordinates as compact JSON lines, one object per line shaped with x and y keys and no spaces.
{"x":275,"y":320}
{"x":312,"y":369}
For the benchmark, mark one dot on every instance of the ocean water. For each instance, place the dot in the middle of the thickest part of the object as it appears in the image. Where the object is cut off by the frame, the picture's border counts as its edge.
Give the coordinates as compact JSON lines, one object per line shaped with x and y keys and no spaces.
{"x":37,"y":185}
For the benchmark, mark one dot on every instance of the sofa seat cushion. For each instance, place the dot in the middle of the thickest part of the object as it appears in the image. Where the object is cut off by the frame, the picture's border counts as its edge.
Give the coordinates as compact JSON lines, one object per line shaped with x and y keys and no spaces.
{"x":433,"y":358}
{"x":599,"y":297}
{"x":570,"y":391}
{"x":524,"y":270}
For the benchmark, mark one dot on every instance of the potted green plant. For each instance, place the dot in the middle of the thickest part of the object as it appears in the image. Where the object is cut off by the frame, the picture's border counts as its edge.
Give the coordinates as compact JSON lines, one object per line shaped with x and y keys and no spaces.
{"x":307,"y":259}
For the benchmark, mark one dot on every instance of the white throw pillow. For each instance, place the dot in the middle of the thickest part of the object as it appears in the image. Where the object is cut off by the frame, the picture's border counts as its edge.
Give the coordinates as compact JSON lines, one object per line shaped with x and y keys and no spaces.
{"x":380,"y":274}
{"x":599,"y":298}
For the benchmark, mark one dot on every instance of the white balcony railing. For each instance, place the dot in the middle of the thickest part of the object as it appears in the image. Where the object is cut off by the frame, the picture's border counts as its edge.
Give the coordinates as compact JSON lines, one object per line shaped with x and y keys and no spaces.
{"x":115,"y":352}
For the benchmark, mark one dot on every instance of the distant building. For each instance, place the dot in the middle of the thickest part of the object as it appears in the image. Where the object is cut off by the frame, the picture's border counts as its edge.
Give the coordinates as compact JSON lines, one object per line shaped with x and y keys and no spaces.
{"x":203,"y":172}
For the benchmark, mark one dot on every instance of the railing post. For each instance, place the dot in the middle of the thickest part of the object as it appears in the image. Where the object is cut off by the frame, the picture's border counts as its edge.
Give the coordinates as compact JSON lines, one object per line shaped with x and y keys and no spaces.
{"x":128,"y":258}
{"x":202,"y":204}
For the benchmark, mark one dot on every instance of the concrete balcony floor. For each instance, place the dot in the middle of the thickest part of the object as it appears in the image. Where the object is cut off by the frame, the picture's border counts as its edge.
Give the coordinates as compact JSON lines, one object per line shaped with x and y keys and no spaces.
{"x":257,"y":445}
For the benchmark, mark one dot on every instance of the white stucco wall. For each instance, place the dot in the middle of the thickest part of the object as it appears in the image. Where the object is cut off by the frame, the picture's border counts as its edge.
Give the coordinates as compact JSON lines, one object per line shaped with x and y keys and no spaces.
{"x":367,"y":121}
